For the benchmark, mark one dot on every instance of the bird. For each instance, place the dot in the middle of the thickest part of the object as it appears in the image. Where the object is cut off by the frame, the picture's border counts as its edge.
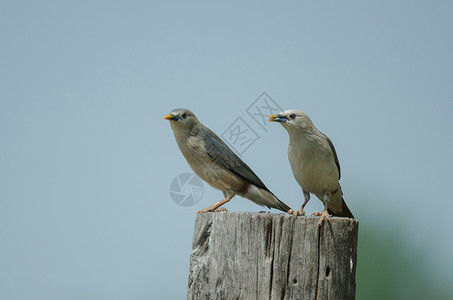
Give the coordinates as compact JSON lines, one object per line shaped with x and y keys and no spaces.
{"x":314,"y":163}
{"x":214,"y":162}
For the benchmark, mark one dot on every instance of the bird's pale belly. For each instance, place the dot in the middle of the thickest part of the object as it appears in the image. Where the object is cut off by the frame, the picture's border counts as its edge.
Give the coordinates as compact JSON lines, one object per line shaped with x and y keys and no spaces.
{"x":315,"y":177}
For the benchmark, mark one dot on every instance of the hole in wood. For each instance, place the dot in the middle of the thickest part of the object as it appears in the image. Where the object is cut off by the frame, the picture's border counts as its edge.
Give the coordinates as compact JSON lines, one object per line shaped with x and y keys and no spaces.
{"x":327,"y":271}
{"x":295,"y":280}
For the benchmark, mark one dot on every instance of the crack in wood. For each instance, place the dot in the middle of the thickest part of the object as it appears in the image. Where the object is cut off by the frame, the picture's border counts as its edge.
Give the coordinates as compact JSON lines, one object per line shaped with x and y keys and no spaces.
{"x":318,"y":275}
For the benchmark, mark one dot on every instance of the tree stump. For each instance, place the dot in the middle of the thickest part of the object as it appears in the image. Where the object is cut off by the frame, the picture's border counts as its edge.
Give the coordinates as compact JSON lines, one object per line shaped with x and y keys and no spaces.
{"x":272,"y":256}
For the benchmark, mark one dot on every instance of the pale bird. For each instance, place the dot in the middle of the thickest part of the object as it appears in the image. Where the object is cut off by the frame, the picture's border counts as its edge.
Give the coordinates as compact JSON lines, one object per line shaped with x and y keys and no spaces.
{"x":314,"y":163}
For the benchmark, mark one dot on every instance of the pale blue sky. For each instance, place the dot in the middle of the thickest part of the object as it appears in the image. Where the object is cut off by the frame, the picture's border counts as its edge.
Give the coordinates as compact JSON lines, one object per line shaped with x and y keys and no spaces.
{"x":86,"y":158}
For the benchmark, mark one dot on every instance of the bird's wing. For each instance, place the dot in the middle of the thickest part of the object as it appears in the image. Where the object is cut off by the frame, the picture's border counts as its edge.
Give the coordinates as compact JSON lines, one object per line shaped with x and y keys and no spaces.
{"x":335,"y":157}
{"x":218,"y":151}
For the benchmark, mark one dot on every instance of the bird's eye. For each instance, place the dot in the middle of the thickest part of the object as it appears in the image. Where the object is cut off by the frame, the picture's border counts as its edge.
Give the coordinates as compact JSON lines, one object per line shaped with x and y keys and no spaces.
{"x":183,"y":115}
{"x":292,"y":116}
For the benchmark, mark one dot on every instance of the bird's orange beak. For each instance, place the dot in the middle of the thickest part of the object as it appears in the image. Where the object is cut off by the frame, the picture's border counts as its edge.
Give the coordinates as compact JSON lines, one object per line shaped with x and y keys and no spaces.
{"x":277,"y":118}
{"x":167,"y":117}
{"x":272,"y":118}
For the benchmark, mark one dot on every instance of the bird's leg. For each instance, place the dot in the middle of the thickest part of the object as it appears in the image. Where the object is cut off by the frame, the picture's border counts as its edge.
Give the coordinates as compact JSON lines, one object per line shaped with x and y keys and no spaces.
{"x":215,"y":206}
{"x":324,"y":215}
{"x":301,"y":212}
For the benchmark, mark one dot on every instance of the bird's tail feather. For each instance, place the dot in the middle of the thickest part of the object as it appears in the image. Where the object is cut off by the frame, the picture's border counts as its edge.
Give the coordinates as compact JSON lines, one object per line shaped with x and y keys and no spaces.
{"x":345,"y":212}
{"x":265,"y":198}
{"x":280,"y":205}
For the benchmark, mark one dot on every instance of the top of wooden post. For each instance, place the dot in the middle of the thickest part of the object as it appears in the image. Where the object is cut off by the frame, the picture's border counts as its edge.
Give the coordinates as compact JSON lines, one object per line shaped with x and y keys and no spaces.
{"x":272,"y":256}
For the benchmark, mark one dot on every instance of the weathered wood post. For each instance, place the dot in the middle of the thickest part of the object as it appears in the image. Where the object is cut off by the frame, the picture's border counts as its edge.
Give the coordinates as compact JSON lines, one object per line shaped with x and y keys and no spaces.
{"x":272,"y":256}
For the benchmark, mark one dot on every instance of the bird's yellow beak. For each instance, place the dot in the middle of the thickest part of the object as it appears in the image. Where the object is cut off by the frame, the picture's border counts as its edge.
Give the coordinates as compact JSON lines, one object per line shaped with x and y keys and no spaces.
{"x":167,"y":117}
{"x":273,"y":118}
{"x":277,"y":118}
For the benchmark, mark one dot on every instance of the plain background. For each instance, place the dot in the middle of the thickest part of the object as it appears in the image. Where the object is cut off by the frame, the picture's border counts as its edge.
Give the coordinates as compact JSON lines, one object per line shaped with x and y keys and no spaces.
{"x":86,"y":158}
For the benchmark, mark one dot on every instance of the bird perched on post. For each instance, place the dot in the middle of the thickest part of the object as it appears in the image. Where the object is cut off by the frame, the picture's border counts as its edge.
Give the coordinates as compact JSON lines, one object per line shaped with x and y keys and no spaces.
{"x":214,"y":162}
{"x":314,"y":163}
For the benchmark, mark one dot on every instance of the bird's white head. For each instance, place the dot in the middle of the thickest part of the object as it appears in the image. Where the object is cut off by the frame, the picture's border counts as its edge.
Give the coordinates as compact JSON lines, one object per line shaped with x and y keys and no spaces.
{"x":292,"y":119}
{"x":181,"y":118}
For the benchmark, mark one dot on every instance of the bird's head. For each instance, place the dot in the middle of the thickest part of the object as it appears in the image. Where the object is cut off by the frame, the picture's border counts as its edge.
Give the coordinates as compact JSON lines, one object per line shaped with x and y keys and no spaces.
{"x":181,"y":118}
{"x":292,"y":119}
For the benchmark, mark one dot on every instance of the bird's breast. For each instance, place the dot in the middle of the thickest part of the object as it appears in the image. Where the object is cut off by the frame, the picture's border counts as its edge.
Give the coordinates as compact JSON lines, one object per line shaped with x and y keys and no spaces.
{"x":313,"y":171}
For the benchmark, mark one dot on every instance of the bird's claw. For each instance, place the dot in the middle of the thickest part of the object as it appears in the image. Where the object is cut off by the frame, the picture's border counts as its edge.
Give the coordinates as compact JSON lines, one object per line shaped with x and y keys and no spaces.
{"x":221,"y":209}
{"x":300,"y":212}
{"x":207,"y":209}
{"x":324,"y":215}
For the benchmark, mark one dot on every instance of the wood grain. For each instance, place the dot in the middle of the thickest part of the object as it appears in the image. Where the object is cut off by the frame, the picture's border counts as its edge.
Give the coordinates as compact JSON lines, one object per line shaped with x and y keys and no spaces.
{"x":272,"y":256}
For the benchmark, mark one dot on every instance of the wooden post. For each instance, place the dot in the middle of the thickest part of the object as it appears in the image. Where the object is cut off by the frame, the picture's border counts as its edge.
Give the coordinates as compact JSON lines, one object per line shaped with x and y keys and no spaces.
{"x":272,"y":256}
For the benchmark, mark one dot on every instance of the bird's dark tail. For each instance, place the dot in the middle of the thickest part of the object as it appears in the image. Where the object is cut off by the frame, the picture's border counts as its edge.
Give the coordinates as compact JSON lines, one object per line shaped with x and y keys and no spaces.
{"x":274,"y":202}
{"x":345,"y":212}
{"x":265,"y":197}
{"x":282,"y":206}
{"x":278,"y":204}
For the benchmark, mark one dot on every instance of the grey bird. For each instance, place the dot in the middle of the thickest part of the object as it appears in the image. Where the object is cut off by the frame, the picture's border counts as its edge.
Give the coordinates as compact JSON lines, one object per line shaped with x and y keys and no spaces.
{"x":214,"y":162}
{"x":314,"y":163}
